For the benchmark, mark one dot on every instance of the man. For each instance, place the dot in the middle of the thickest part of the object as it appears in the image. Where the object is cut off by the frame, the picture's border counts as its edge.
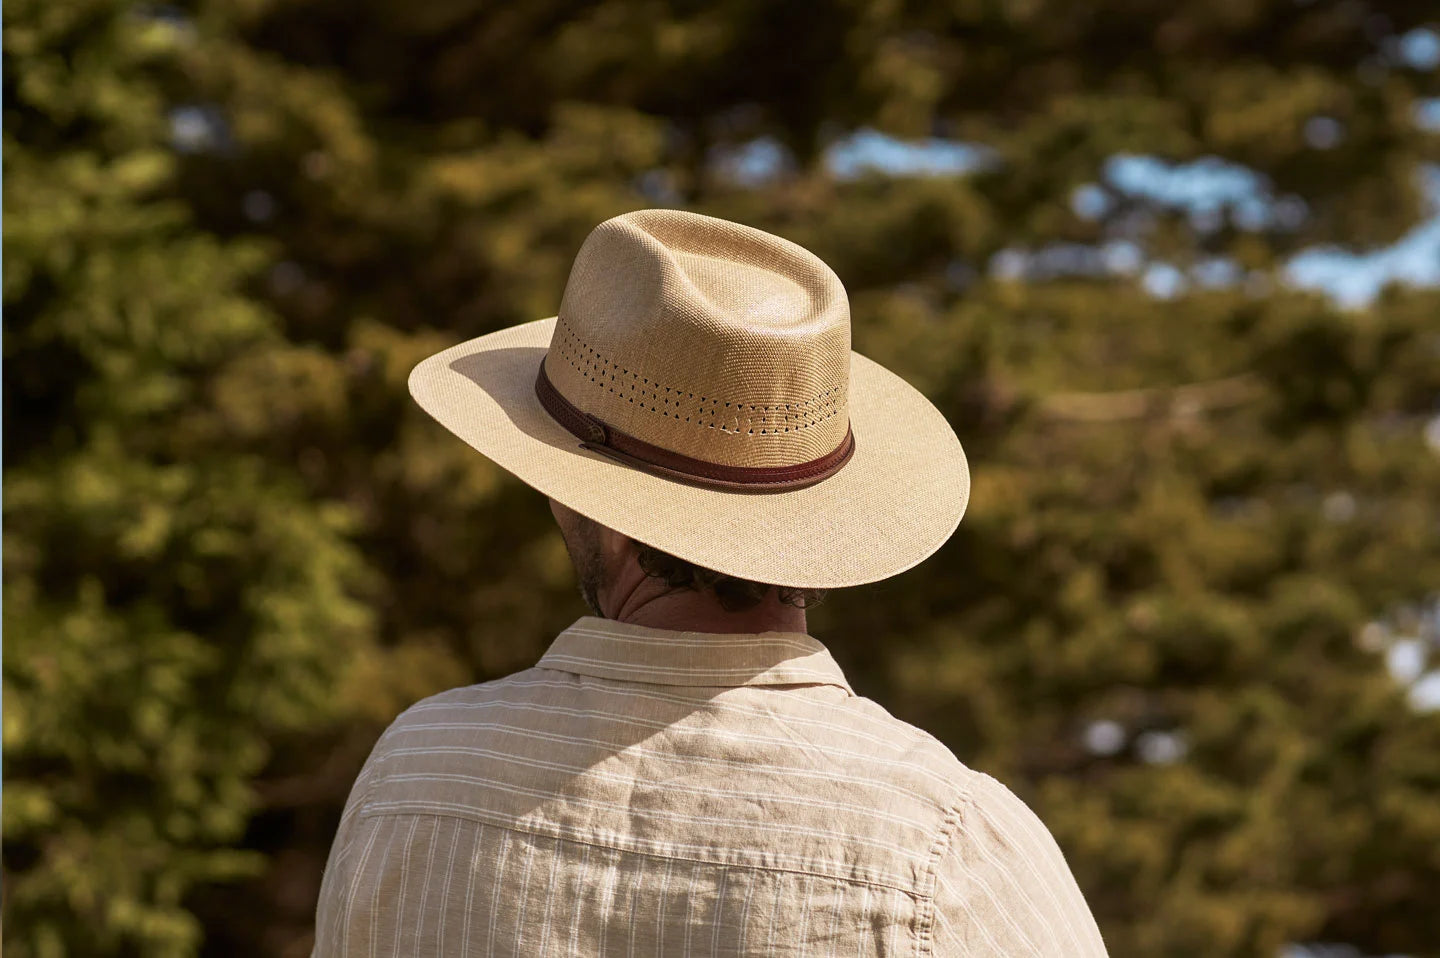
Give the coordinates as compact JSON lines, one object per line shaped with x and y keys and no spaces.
{"x":687,"y":771}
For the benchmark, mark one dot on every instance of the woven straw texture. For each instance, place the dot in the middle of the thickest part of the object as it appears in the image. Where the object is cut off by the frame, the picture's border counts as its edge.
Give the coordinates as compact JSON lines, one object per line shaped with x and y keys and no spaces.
{"x":667,"y":317}
{"x":707,"y":338}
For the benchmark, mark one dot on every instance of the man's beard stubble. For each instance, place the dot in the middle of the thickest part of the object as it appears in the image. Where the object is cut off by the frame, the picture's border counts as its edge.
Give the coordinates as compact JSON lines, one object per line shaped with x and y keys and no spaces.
{"x":589,"y":562}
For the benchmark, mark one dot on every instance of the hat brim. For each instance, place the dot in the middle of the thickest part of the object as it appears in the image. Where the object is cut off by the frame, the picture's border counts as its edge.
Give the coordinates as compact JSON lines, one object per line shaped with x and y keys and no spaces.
{"x":894,"y":503}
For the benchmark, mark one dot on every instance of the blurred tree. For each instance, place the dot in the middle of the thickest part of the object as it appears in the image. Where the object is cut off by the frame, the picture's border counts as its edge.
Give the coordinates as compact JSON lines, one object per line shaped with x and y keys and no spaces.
{"x":173,"y":602}
{"x":1188,"y":504}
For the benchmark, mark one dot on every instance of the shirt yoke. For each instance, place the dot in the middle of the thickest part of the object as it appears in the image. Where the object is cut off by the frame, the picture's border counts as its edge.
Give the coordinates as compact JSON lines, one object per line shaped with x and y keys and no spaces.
{"x":801,"y":778}
{"x":675,"y":793}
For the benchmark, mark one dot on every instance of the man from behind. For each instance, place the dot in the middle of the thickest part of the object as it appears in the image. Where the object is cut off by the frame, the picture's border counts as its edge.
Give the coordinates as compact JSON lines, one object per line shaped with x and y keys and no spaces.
{"x":687,"y":771}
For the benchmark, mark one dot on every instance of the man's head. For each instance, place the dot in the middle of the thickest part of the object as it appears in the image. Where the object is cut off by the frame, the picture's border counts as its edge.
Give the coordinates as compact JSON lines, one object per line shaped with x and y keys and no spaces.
{"x":696,"y":368}
{"x":604,"y":558}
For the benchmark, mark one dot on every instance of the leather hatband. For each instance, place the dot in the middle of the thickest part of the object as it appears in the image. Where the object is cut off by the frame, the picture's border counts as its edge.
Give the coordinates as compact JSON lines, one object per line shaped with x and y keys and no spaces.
{"x":606,"y":439}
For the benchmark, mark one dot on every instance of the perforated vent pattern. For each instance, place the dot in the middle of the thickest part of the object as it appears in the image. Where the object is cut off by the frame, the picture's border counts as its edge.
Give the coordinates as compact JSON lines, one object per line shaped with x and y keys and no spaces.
{"x":701,"y":411}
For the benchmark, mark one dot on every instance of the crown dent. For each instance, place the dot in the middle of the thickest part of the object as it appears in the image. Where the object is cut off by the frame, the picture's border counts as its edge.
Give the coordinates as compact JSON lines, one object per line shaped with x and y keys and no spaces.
{"x":706,"y":338}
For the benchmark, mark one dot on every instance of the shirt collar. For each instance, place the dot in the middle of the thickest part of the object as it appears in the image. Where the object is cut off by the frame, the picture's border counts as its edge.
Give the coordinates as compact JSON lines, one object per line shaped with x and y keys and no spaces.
{"x":636,"y":653}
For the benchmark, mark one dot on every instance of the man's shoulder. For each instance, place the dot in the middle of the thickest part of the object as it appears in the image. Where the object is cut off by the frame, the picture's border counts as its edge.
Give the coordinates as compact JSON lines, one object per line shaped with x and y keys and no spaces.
{"x":952,"y":781}
{"x":463,"y":704}
{"x":975,"y":792}
{"x":466,"y":695}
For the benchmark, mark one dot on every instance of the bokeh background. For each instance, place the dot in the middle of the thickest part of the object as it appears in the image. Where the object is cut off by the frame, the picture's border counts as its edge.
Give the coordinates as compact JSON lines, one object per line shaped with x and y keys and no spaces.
{"x":1168,"y":266}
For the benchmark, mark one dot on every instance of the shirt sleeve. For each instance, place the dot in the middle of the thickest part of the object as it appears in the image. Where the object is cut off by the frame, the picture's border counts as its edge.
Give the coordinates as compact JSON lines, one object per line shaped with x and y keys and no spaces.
{"x":337,"y":883}
{"x":1002,"y":887}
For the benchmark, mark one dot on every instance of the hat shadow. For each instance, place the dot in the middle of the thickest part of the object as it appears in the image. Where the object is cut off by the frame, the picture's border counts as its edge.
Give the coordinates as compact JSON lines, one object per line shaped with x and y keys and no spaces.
{"x":508,"y":375}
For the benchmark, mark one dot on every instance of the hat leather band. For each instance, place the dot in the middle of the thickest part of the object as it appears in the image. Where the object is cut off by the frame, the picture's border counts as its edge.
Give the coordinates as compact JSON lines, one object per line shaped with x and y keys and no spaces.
{"x":609,"y":441}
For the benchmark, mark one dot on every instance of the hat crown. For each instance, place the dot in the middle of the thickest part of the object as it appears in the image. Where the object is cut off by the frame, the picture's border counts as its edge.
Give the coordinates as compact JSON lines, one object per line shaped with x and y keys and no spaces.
{"x":706,"y":338}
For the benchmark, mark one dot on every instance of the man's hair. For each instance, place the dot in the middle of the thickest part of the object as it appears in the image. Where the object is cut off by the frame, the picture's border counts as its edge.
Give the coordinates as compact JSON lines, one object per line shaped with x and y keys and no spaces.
{"x":735,"y":595}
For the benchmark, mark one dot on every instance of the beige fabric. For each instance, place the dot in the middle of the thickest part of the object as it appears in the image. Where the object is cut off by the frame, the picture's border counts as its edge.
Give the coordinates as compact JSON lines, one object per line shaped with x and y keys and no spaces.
{"x":726,"y":344}
{"x":707,"y":338}
{"x":643,"y":792}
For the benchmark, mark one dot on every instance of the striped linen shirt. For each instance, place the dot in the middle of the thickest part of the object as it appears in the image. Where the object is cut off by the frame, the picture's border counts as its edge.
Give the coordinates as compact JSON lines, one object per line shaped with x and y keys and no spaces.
{"x":645,"y":792}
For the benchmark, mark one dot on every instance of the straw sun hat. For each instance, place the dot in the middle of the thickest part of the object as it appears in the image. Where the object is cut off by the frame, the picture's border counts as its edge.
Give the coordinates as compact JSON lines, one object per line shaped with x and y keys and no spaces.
{"x":698,"y":393}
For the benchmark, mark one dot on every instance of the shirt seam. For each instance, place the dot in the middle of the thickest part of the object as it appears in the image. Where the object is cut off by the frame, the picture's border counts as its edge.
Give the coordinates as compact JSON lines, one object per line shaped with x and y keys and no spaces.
{"x":926,"y":911}
{"x":563,"y":835}
{"x":373,"y":768}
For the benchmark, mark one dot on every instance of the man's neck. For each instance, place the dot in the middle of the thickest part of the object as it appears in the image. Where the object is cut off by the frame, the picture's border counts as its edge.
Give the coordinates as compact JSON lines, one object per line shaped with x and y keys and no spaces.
{"x":686,"y":617}
{"x":646,"y":600}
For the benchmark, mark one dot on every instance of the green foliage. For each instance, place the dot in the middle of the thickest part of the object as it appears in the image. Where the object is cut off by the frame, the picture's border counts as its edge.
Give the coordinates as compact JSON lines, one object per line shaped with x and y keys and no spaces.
{"x":173,"y":601}
{"x":1201,"y":573}
{"x":233,"y":548}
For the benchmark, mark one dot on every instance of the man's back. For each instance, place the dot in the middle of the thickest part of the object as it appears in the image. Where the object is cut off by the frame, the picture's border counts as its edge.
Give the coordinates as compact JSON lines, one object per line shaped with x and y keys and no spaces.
{"x":650,"y":792}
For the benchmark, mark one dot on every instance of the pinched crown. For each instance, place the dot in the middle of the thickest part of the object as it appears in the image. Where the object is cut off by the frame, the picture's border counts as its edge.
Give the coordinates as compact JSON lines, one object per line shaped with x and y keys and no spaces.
{"x":706,"y":338}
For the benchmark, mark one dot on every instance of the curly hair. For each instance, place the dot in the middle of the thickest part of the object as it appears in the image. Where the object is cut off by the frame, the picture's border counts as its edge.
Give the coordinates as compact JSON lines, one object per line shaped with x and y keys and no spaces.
{"x":735,"y":595}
